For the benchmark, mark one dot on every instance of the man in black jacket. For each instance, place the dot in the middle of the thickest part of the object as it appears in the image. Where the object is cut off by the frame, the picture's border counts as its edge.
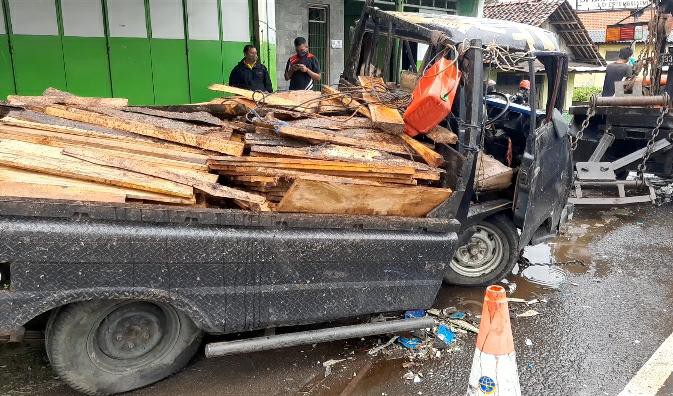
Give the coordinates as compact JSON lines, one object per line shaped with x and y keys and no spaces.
{"x":249,"y":73}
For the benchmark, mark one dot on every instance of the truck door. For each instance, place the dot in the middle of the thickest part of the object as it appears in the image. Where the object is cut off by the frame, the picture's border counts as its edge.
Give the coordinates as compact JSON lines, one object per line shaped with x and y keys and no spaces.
{"x":545,"y":175}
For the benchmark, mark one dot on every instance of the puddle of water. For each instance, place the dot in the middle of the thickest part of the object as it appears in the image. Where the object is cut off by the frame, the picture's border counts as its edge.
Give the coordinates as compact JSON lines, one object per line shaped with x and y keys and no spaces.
{"x":549,"y":276}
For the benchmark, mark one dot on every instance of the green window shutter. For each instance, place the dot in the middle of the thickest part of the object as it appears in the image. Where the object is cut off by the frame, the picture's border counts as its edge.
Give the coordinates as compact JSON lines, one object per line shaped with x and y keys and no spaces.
{"x":85,"y":51}
{"x":204,"y":48}
{"x":6,"y":70}
{"x":130,"y":52}
{"x":36,"y":46}
{"x":169,"y":52}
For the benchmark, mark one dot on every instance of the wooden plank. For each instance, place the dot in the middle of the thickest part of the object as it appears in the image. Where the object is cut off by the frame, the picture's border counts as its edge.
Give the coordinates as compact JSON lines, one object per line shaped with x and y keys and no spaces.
{"x":213,"y":189}
{"x":129,"y":137}
{"x":292,"y":174}
{"x":54,"y":139}
{"x":430,"y":156}
{"x":308,"y":196}
{"x":320,"y":137}
{"x":344,"y":153}
{"x":381,"y":113}
{"x":205,"y":141}
{"x":199,"y":117}
{"x":439,"y":134}
{"x":379,"y":177}
{"x":302,"y":163}
{"x":40,"y":191}
{"x":14,"y":174}
{"x":71,"y":100}
{"x":347,"y":101}
{"x":168,"y":165}
{"x":50,"y":160}
{"x":269,"y":99}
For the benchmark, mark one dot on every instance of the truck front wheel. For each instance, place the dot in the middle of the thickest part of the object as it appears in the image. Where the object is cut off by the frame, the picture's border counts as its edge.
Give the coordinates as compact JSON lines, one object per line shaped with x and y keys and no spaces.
{"x":488,"y":256}
{"x":106,"y":347}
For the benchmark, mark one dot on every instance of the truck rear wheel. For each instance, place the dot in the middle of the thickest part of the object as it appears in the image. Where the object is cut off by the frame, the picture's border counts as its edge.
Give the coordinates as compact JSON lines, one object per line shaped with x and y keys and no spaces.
{"x":105,"y":347}
{"x":488,"y":256}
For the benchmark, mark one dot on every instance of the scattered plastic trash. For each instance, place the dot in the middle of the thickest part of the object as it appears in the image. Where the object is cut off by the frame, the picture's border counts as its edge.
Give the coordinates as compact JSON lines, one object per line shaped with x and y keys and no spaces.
{"x":409,"y":376}
{"x":417,"y":379}
{"x":457,"y":315}
{"x":410,"y":343}
{"x":533,"y":301}
{"x":417,"y":313}
{"x":375,"y":351}
{"x":529,"y":342}
{"x":445,"y":334}
{"x":434,"y":312}
{"x":528,"y":314}
{"x":464,"y":325}
{"x":328,"y":365}
{"x":516,"y":300}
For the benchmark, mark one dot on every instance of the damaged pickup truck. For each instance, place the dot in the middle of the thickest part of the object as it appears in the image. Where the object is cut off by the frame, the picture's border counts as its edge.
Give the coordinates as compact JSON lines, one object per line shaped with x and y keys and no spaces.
{"x":124,"y":292}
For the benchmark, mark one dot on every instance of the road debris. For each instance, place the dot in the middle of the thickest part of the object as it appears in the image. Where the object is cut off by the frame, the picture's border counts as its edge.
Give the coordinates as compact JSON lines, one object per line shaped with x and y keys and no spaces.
{"x":328,"y":365}
{"x":445,"y":334}
{"x":375,"y":351}
{"x":457,"y":315}
{"x":464,"y":325}
{"x":528,"y":314}
{"x":529,"y":342}
{"x":410,"y":343}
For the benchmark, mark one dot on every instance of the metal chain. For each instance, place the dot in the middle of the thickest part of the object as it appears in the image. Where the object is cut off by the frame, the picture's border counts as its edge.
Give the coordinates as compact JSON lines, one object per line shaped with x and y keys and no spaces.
{"x":585,"y":124}
{"x":642,"y":167}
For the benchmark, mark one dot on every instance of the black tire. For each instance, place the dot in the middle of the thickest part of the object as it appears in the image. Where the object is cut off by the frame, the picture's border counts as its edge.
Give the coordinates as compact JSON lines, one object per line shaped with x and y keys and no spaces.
{"x":105,"y":347}
{"x":496,"y":246}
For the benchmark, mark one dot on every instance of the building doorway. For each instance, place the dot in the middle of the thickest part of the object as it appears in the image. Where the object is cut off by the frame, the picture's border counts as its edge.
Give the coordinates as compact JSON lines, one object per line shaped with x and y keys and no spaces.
{"x":318,"y":40}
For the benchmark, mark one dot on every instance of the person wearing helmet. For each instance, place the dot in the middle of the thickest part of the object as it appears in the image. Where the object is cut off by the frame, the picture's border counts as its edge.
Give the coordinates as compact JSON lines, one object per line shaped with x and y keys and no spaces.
{"x":521,"y":97}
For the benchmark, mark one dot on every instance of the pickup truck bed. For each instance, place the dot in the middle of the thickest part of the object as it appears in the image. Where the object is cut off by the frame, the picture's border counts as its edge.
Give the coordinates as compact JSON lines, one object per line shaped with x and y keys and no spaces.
{"x":229,"y":270}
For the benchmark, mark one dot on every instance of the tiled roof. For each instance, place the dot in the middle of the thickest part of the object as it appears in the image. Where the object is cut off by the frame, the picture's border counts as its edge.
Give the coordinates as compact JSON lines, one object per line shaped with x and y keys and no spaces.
{"x":533,"y":13}
{"x":559,"y":14}
{"x":597,"y":20}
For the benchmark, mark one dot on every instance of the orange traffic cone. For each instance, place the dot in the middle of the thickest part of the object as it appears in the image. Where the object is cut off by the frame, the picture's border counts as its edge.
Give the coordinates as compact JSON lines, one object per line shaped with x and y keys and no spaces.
{"x":494,"y":364}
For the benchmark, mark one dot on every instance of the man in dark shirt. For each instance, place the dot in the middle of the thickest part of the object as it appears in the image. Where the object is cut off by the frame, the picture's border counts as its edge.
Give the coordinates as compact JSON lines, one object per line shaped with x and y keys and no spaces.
{"x":617,"y":71}
{"x":302,"y":68}
{"x":249,"y":73}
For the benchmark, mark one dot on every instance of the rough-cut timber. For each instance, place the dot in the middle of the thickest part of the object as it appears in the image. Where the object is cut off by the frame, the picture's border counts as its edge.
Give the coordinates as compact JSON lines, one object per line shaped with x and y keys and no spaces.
{"x":8,"y":174}
{"x":41,"y":191}
{"x":308,"y":196}
{"x":205,"y":141}
{"x":213,"y":189}
{"x":345,"y":100}
{"x":326,"y":137}
{"x":50,"y":160}
{"x":269,"y":99}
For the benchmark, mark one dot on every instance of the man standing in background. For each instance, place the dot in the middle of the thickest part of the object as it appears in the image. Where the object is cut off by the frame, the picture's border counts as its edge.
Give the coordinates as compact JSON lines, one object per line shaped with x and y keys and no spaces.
{"x":302,"y":68}
{"x":249,"y":73}
{"x":617,"y":71}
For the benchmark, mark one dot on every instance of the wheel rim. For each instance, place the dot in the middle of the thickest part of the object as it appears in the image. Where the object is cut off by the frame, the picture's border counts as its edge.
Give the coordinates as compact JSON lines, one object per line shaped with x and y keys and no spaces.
{"x":131,"y":335}
{"x":481,"y":255}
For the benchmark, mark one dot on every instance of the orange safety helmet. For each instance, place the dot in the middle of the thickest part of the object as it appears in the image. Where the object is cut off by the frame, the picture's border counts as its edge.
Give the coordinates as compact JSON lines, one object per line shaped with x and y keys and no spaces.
{"x":524,"y":84}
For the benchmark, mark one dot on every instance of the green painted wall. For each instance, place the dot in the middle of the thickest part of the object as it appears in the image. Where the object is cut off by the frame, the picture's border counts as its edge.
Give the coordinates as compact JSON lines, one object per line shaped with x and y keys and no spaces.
{"x":131,"y":69}
{"x":38,"y":63}
{"x":170,"y":71}
{"x":267,"y":56}
{"x":149,"y":51}
{"x":6,"y":70}
{"x":205,"y":68}
{"x":86,"y":66}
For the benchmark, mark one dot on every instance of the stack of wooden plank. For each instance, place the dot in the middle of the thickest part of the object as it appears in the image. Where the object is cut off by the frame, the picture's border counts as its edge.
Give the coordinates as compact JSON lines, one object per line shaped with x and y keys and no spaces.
{"x":290,"y":152}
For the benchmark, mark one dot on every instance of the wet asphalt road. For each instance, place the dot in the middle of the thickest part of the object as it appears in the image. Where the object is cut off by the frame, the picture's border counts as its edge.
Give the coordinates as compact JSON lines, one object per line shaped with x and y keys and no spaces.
{"x":610,"y":310}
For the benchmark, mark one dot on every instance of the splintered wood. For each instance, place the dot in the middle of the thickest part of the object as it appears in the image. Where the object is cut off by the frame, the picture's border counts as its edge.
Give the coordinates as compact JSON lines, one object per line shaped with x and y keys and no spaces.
{"x":302,"y":151}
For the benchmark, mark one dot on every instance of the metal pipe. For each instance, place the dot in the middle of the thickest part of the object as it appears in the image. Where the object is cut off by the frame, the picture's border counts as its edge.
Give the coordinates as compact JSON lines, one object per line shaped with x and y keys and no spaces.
{"x":315,"y":336}
{"x":635,"y":101}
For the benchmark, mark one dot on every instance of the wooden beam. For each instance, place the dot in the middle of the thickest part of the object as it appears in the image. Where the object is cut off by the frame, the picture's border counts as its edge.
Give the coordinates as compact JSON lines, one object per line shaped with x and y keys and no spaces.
{"x":205,"y":141}
{"x":50,"y":160}
{"x":213,"y":189}
{"x":430,"y":156}
{"x":380,"y":113}
{"x":132,"y":146}
{"x":41,"y":191}
{"x":347,"y":101}
{"x":270,"y":99}
{"x":9,"y":174}
{"x":307,"y":196}
{"x":71,"y":100}
{"x":320,"y":136}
